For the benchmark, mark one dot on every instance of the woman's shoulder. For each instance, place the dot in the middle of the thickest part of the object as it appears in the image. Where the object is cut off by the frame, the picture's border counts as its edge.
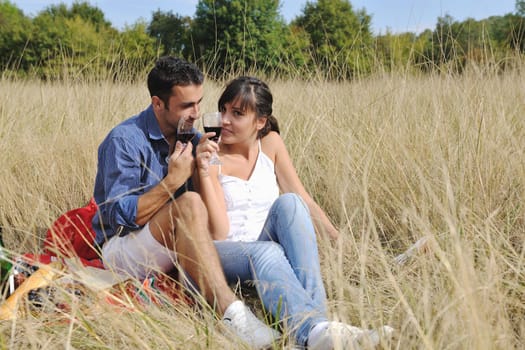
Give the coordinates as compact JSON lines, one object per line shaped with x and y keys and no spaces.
{"x":271,"y":137}
{"x":271,"y":144}
{"x":272,"y":140}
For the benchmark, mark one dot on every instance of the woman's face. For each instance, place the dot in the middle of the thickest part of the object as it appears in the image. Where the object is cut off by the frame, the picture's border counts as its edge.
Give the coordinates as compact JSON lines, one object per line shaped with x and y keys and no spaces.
{"x":239,"y":125}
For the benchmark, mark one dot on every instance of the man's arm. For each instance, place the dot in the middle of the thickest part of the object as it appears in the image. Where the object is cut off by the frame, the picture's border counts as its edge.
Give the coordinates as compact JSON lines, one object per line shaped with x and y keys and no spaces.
{"x":180,"y":168}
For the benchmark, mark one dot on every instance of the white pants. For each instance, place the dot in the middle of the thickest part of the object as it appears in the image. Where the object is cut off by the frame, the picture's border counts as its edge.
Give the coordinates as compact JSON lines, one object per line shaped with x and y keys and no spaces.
{"x":137,"y":254}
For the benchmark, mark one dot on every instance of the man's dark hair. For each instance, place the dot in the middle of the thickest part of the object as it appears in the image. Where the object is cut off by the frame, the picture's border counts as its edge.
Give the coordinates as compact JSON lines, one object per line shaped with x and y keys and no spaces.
{"x":170,"y":71}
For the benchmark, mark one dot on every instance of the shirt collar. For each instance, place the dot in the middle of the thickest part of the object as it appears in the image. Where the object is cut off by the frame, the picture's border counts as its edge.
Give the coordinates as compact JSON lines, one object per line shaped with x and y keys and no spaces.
{"x":152,"y":125}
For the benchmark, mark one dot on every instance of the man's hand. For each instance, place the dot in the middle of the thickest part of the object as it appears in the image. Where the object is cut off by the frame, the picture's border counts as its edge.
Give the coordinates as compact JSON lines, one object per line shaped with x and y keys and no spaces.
{"x":180,"y":165}
{"x":180,"y":168}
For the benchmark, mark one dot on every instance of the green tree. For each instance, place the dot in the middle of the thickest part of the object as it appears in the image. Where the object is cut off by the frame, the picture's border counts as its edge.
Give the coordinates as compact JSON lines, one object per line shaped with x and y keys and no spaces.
{"x":134,"y":51}
{"x":172,"y":33}
{"x":445,"y":45}
{"x":70,"y":41}
{"x":90,"y":14}
{"x":62,"y":46}
{"x":395,"y":51}
{"x":297,"y":54}
{"x":15,"y":29}
{"x":520,"y":8}
{"x":239,"y":35}
{"x":340,"y":37}
{"x":458,"y":44}
{"x":424,"y":53}
{"x":471,"y":42}
{"x":76,"y":41}
{"x":509,"y":31}
{"x":81,"y":9}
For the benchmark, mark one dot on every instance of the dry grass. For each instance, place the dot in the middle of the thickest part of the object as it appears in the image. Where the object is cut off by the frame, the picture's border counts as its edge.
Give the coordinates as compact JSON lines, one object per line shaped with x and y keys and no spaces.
{"x":391,"y":159}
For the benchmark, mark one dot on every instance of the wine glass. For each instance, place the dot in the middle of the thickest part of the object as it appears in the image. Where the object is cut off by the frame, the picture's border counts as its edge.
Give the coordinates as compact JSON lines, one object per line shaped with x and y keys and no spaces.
{"x":212,"y":121}
{"x":186,"y":130}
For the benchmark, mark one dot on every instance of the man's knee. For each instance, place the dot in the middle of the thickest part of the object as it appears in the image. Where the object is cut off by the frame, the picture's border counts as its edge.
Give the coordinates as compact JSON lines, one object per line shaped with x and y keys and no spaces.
{"x":190,"y":204}
{"x":190,"y":216}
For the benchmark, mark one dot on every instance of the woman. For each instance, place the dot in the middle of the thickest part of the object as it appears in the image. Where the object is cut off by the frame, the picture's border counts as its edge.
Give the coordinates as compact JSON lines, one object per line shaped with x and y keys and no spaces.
{"x":261,"y":236}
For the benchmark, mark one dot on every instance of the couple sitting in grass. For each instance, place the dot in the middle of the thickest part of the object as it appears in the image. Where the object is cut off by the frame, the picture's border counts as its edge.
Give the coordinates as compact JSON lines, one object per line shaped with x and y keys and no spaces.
{"x":163,"y":205}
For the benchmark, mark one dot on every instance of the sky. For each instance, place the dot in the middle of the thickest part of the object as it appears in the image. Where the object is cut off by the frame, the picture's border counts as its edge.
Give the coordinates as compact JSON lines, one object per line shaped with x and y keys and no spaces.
{"x":397,"y":16}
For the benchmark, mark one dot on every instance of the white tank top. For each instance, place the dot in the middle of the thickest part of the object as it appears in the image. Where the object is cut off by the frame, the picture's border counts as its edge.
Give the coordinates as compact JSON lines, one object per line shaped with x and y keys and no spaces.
{"x":248,"y":201}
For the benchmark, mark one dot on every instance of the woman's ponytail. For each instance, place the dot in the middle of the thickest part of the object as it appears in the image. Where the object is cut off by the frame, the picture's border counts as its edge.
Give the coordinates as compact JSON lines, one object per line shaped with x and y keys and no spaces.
{"x":271,"y":125}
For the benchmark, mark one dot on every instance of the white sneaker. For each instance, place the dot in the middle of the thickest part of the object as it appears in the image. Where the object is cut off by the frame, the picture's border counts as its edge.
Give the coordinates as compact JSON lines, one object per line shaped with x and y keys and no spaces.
{"x":241,"y":321}
{"x":337,"y":335}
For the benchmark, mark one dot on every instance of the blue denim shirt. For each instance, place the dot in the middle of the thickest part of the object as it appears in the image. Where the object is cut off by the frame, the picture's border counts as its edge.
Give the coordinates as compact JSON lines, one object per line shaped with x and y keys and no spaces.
{"x":132,"y":159}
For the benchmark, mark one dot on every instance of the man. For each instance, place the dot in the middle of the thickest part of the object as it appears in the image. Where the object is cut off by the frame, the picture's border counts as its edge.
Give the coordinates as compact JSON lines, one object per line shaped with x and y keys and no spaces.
{"x":147,"y":219}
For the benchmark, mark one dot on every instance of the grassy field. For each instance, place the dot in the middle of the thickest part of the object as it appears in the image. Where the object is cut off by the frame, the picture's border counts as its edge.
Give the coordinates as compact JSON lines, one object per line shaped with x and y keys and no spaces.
{"x":391,"y":158}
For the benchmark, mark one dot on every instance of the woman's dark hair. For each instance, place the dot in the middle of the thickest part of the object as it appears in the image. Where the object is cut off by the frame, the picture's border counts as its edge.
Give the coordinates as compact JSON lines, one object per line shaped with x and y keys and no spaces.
{"x":253,"y":94}
{"x":170,"y":71}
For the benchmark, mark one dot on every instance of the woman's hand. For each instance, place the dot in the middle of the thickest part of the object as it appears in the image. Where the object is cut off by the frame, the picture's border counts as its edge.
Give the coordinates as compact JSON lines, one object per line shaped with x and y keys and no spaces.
{"x":204,"y":151}
{"x":209,"y":187}
{"x":331,"y":231}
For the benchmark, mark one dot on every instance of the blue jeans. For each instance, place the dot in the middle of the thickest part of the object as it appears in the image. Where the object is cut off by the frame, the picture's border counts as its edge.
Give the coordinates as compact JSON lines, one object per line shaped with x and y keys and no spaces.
{"x":283,"y":264}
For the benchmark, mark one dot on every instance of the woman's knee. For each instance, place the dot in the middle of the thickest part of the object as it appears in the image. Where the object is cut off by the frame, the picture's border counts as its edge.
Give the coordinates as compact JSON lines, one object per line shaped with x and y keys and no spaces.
{"x":291,"y":202}
{"x":290,"y":211}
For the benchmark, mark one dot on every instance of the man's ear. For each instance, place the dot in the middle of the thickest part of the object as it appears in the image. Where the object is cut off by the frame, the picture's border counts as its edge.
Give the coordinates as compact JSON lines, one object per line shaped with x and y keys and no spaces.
{"x":157,"y":102}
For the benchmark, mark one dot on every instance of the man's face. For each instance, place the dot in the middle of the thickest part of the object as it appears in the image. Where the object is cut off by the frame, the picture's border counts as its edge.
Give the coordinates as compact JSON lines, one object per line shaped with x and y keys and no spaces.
{"x":183,"y":103}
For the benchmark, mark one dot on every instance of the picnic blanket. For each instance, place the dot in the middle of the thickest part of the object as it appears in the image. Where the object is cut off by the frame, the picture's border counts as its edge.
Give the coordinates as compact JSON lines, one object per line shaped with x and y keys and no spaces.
{"x":71,"y":264}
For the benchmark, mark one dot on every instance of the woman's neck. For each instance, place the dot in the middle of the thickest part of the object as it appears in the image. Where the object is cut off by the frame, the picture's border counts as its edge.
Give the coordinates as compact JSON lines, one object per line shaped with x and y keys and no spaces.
{"x":244,"y":149}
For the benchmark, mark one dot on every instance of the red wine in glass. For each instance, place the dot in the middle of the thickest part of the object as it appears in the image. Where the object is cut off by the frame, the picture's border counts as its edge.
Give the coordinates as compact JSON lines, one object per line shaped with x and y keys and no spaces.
{"x":213,"y":122}
{"x":216,"y":130}
{"x":186,"y":136}
{"x":185,"y":130}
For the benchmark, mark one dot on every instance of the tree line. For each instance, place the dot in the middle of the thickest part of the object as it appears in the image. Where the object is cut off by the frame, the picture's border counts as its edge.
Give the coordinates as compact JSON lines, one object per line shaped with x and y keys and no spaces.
{"x":328,"y":37}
